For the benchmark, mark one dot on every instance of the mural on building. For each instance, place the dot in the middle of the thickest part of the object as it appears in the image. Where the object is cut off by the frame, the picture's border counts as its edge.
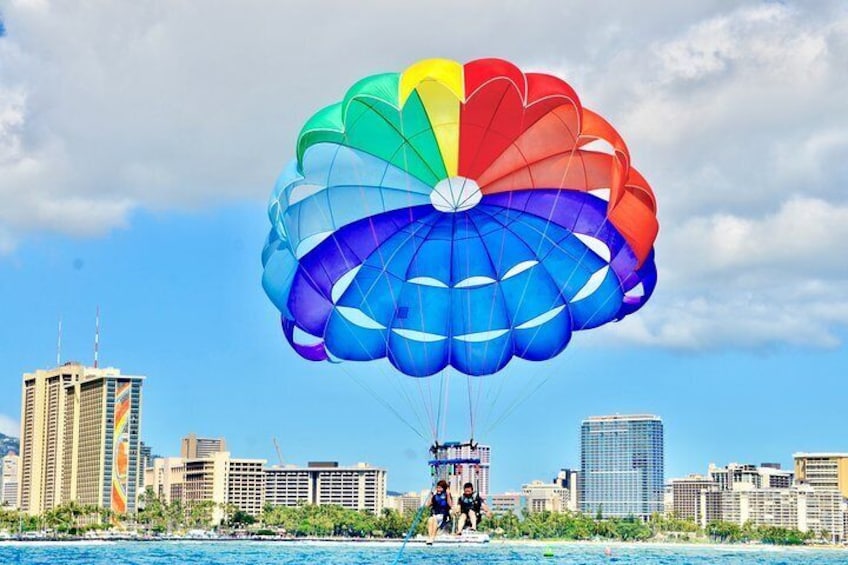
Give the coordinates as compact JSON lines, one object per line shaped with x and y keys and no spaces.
{"x":120,"y":448}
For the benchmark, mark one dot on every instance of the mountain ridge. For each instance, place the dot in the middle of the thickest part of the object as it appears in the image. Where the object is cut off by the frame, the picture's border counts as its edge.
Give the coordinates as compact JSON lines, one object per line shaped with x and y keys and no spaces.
{"x":8,"y":444}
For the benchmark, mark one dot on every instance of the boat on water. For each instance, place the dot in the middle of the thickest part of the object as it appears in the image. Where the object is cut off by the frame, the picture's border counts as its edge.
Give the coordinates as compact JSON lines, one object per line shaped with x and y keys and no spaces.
{"x":467,"y":536}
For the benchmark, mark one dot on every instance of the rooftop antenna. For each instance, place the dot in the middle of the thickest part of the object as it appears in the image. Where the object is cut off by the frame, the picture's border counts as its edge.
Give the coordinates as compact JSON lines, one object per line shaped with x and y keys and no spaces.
{"x":59,"y":344}
{"x":279,"y":453}
{"x":96,"y":335}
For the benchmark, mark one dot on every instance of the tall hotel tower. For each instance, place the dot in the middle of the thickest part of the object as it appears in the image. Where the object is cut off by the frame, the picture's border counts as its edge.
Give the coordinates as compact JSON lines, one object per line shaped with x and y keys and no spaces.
{"x":621,"y":465}
{"x":80,"y":438}
{"x":460,"y":463}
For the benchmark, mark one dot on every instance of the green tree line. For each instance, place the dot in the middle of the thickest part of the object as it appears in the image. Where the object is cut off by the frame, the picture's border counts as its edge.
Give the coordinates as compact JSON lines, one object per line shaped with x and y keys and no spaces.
{"x":729,"y":532}
{"x":70,"y":518}
{"x":158,"y":516}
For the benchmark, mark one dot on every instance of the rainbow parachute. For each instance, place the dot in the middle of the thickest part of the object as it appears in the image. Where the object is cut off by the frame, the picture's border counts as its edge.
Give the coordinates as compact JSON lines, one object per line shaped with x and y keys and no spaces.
{"x":456,"y":215}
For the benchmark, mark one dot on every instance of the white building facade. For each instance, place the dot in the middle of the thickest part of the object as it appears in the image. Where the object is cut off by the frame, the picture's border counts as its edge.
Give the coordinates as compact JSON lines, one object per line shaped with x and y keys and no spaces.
{"x":357,"y":487}
{"x":540,"y":496}
{"x":9,"y":481}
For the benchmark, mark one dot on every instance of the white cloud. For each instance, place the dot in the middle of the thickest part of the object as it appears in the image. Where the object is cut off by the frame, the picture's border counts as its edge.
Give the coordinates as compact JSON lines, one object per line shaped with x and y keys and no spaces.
{"x":173,"y":106}
{"x":734,"y":114}
{"x":9,"y":426}
{"x":11,"y":120}
{"x":803,"y":238}
{"x":738,"y":318}
{"x":751,"y":282}
{"x":738,"y":122}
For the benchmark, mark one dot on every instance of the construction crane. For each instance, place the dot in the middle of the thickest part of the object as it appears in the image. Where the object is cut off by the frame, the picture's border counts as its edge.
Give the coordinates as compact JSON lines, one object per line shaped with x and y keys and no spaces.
{"x":279,"y":453}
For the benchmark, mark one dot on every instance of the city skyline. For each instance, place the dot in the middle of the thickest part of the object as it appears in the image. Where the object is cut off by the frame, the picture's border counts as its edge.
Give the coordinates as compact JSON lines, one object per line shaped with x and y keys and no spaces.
{"x":135,"y":178}
{"x":192,"y":446}
{"x":621,"y":468}
{"x":783,"y":458}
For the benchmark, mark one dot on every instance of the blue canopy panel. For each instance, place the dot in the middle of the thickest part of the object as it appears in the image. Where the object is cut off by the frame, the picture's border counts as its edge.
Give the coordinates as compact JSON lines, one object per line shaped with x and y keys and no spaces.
{"x":470,"y":289}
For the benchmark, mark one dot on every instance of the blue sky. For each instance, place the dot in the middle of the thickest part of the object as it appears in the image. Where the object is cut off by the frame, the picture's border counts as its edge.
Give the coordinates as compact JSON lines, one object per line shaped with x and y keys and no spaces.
{"x":181,"y":303}
{"x":135,"y":167}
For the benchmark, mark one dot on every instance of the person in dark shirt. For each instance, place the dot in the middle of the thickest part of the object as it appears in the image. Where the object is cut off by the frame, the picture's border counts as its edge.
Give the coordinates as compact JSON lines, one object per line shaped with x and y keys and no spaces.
{"x":471,"y":507}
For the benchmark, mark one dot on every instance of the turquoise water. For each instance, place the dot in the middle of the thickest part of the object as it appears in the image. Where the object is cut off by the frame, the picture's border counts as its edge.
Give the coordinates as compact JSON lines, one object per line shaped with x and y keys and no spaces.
{"x":186,"y":553}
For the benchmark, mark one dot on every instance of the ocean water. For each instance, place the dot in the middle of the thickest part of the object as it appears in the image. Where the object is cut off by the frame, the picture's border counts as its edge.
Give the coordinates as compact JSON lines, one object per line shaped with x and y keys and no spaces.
{"x":203,"y":553}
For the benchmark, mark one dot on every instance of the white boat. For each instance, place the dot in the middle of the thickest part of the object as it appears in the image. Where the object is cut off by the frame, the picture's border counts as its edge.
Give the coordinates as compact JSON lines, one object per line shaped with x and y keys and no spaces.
{"x":201,"y":535}
{"x":467,"y":536}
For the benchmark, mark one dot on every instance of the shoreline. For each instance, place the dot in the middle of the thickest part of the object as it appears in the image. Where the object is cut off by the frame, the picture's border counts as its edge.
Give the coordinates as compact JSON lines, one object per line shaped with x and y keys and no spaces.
{"x":601,"y":545}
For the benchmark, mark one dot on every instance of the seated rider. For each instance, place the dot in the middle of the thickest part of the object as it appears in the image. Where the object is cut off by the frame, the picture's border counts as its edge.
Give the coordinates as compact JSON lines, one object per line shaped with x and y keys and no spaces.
{"x":471,"y":505}
{"x":440,"y":504}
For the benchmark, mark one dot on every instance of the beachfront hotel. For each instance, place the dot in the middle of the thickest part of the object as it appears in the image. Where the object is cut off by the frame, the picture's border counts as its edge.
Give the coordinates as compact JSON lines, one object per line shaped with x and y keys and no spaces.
{"x":766,"y":495}
{"x":80,"y":438}
{"x":165,"y":476}
{"x":799,"y":507}
{"x":248,"y":484}
{"x":537,"y":496}
{"x":540,"y":496}
{"x":686,"y":499}
{"x":356,"y":487}
{"x":823,"y":471}
{"x":621,"y":465}
{"x":766,"y":475}
{"x":226,"y":481}
{"x":208,"y":474}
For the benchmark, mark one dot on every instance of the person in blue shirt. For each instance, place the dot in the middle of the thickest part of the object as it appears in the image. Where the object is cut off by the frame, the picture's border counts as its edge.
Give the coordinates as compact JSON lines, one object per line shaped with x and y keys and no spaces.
{"x":471,"y":507}
{"x":440,"y":505}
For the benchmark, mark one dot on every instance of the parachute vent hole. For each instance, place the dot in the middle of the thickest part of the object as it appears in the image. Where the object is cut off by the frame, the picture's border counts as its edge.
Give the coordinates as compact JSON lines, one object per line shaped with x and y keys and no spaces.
{"x":602,"y":193}
{"x":599,"y":146}
{"x":637,"y":291}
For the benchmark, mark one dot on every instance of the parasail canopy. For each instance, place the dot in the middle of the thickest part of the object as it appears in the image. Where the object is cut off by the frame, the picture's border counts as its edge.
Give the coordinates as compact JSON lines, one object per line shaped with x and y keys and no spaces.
{"x":456,"y":215}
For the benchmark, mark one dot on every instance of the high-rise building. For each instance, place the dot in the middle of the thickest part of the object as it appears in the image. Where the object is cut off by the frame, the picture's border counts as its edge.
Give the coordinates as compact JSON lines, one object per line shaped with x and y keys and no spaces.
{"x":80,"y":438}
{"x":710,"y":507}
{"x":104,"y":435}
{"x":825,"y":512}
{"x":799,"y":507}
{"x":205,"y":480}
{"x":686,"y":499}
{"x":9,"y":480}
{"x":621,"y":465}
{"x":772,"y":476}
{"x":146,"y":457}
{"x":166,"y":478}
{"x":212,"y":476}
{"x":225,"y":481}
{"x":194,"y":447}
{"x":736,"y":475}
{"x":823,"y":471}
{"x":246,"y":485}
{"x":457,"y":474}
{"x":569,"y":480}
{"x":290,"y":485}
{"x":357,"y":487}
{"x":42,"y":422}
